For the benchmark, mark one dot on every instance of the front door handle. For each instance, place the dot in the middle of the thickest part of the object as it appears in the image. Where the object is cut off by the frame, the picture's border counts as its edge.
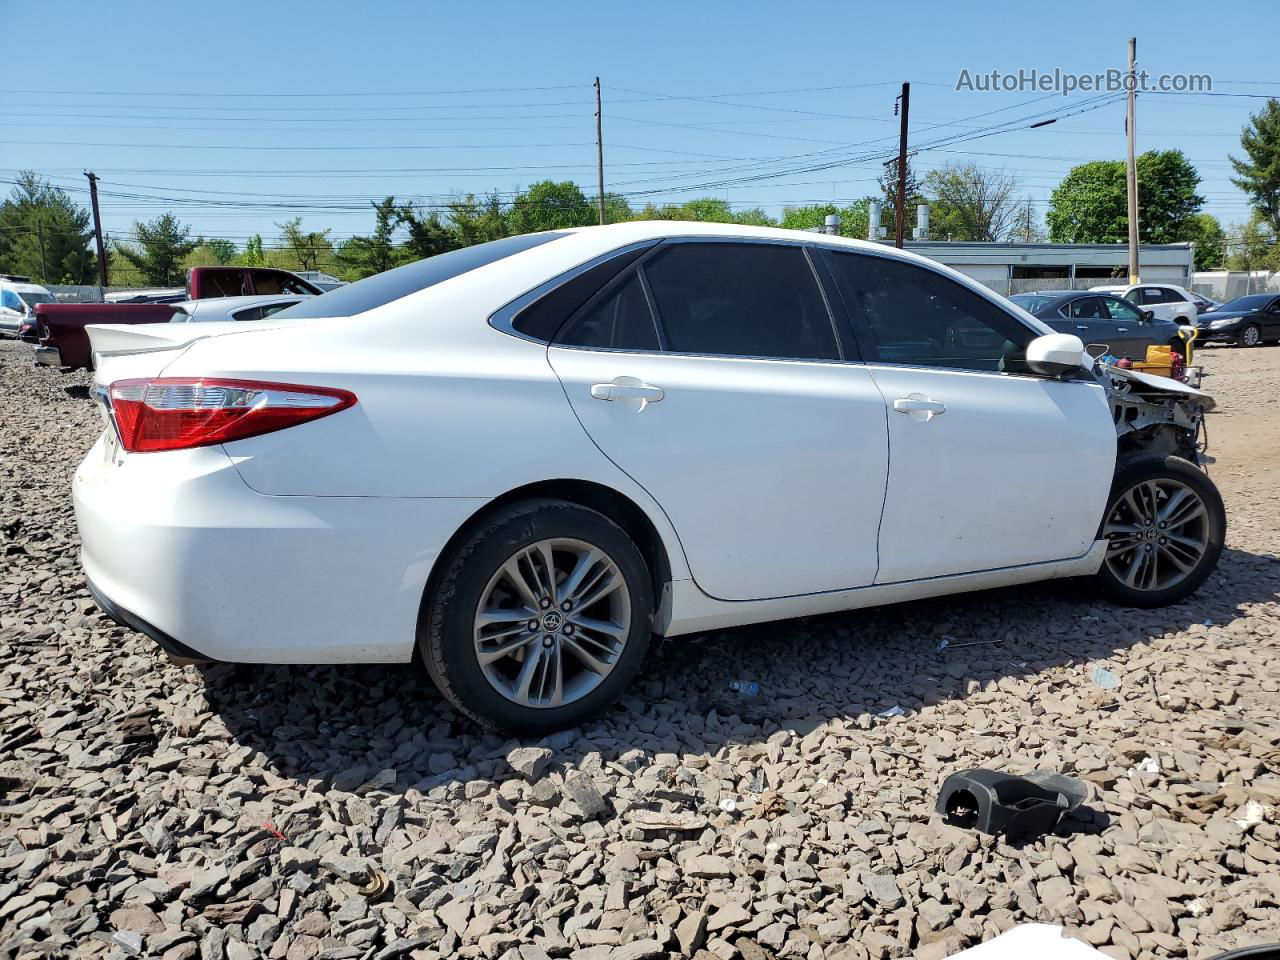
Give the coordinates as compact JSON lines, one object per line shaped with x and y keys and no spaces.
{"x":919,"y":407}
{"x":1122,"y":329}
{"x":626,"y":391}
{"x":1082,"y":326}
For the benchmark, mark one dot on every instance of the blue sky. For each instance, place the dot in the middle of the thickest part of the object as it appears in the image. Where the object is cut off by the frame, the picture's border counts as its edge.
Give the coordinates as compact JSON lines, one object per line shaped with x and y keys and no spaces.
{"x":320,"y":106}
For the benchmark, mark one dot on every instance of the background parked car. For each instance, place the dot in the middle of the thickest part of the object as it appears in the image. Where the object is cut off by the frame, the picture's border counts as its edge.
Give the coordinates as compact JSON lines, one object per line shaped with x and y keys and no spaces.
{"x":1102,"y":318}
{"x":241,"y":309}
{"x":1165,"y":300}
{"x":18,"y":300}
{"x":1246,"y":321}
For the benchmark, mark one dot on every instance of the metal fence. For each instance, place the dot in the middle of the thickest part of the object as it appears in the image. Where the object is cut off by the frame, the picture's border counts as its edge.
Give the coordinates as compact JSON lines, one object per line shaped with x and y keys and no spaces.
{"x":1036,"y":284}
{"x":76,"y":293}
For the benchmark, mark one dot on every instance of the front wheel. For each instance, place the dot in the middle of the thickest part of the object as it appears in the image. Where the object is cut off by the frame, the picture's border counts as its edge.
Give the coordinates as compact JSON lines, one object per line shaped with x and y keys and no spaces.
{"x":541,"y":618}
{"x":1250,"y":336}
{"x":1165,"y":526}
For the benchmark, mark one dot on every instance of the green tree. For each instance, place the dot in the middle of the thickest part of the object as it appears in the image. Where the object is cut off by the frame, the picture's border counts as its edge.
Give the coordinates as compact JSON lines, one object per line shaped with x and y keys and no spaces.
{"x":853,"y":217}
{"x":889,"y":195}
{"x":1205,"y":232}
{"x":548,"y":205}
{"x":43,"y":234}
{"x":429,"y":234}
{"x":365,"y":256}
{"x":1090,"y":205}
{"x":478,"y":220}
{"x":1252,"y":246}
{"x":254,"y":255}
{"x":1259,"y":175}
{"x":219,"y":251}
{"x":616,"y":208}
{"x":968,"y":202}
{"x":159,"y":248}
{"x":708,"y":210}
{"x":307,"y":247}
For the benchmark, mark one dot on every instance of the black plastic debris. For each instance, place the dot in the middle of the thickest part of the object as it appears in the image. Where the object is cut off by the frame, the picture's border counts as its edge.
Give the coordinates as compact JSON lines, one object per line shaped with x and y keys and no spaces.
{"x":1001,"y":803}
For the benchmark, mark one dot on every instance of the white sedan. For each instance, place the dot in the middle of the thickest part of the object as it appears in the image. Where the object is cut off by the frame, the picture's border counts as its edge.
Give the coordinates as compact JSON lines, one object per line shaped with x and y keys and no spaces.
{"x":521,"y":460}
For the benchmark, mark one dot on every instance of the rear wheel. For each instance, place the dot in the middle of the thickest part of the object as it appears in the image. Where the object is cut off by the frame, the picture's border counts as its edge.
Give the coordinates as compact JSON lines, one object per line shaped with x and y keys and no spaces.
{"x":1165,"y":525}
{"x":1250,"y":336}
{"x":541,"y":618}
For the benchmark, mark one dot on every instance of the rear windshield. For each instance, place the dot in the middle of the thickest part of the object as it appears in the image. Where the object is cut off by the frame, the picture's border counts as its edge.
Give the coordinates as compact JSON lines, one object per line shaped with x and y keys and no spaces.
{"x":382,"y":288}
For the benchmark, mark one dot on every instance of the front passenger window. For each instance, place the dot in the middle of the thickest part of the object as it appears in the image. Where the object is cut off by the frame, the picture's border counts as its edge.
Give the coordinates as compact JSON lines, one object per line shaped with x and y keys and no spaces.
{"x":913,"y":315}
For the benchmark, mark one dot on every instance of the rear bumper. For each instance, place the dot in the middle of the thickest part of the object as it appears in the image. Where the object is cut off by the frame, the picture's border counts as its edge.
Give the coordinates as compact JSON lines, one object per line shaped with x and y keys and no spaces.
{"x":177,"y":546}
{"x":178,"y":652}
{"x":48,"y":356}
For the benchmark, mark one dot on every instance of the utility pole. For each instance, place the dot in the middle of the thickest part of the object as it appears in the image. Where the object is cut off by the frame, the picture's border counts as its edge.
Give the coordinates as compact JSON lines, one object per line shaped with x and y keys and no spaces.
{"x":1130,"y":125}
{"x":44,"y":263}
{"x":599,"y":156}
{"x":97,"y":228}
{"x":905,"y":99}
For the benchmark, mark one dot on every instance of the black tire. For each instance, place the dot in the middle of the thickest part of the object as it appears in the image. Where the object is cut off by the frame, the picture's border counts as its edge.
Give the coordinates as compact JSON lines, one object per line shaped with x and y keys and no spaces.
{"x":445,"y":628}
{"x":1243,"y":338}
{"x":1132,"y":472}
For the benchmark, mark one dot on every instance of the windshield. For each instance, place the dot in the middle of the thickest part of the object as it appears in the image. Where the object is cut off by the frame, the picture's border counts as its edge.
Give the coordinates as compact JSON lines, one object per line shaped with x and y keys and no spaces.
{"x":1253,"y":302}
{"x":1033,"y":302}
{"x":383,"y":288}
{"x":31,"y":299}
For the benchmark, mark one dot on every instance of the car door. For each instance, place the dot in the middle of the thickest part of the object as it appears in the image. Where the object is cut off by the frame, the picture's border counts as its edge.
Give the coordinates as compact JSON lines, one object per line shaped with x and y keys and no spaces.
{"x":1129,"y":334}
{"x":711,"y":373}
{"x":990,"y":465}
{"x":1271,"y":320}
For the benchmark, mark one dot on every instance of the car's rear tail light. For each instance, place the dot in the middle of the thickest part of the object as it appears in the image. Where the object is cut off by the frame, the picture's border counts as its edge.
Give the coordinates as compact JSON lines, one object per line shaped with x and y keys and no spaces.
{"x":176,"y":413}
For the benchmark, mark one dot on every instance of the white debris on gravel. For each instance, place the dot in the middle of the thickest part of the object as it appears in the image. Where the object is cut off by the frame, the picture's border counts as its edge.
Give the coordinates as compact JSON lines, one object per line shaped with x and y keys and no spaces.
{"x":229,"y":813}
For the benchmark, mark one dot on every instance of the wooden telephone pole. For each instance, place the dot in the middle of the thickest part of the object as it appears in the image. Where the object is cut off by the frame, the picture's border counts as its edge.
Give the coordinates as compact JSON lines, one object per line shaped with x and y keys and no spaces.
{"x":902,"y":166}
{"x":97,"y":228}
{"x":1132,"y":178}
{"x":599,"y":156}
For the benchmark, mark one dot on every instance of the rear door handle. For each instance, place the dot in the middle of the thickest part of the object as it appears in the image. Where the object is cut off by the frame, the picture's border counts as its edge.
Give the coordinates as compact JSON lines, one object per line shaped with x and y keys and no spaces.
{"x":626,"y":391}
{"x":1082,"y":326}
{"x":920,"y":408}
{"x":1122,"y":329}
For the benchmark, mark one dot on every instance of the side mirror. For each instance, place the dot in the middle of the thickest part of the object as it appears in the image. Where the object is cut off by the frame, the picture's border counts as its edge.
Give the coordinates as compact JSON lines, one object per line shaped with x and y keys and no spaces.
{"x":1148,"y":314}
{"x":1055,"y":354}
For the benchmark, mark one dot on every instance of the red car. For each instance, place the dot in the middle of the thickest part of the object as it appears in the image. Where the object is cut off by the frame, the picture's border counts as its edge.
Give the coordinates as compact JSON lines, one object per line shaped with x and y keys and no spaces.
{"x":59,"y":327}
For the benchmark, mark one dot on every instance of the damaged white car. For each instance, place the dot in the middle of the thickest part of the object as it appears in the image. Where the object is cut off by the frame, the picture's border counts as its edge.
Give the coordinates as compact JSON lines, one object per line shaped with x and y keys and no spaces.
{"x":521,"y":461}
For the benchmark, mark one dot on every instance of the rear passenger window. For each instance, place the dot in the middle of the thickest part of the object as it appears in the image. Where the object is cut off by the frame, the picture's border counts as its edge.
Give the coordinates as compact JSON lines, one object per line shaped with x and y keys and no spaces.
{"x":912,"y":315}
{"x":618,"y":321}
{"x":741,"y":300}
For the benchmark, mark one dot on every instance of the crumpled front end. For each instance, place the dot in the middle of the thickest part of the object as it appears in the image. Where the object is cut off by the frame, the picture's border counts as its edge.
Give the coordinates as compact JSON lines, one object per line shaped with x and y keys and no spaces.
{"x":1156,"y":415}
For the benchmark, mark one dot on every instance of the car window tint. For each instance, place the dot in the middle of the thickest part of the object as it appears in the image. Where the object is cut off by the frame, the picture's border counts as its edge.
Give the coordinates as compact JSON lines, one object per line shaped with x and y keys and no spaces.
{"x":273,"y":309}
{"x":1086,"y":308}
{"x":222,"y":283}
{"x":252,"y":313}
{"x":913,"y":315}
{"x":1119,"y":310}
{"x":542,"y":318}
{"x":383,"y":288}
{"x":741,"y":300}
{"x":620,"y":320}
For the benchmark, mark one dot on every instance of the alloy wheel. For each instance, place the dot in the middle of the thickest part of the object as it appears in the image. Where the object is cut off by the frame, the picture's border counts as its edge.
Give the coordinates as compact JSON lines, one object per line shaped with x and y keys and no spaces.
{"x":1158,"y":531}
{"x":1250,"y":337}
{"x":552,"y":622}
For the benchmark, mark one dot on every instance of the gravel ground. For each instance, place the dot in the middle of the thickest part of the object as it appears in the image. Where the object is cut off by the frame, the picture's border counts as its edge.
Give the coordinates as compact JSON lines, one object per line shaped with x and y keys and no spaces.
{"x":238,"y":812}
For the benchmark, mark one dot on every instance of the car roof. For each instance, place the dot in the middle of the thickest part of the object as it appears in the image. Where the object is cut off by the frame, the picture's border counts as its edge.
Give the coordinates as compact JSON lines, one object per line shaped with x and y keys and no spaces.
{"x":18,"y":286}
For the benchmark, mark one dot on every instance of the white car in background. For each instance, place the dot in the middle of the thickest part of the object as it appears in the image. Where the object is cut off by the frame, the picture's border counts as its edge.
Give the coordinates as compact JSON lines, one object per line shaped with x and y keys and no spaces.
{"x":235,"y":309}
{"x":521,"y":460}
{"x":1167,"y":301}
{"x":18,"y":299}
